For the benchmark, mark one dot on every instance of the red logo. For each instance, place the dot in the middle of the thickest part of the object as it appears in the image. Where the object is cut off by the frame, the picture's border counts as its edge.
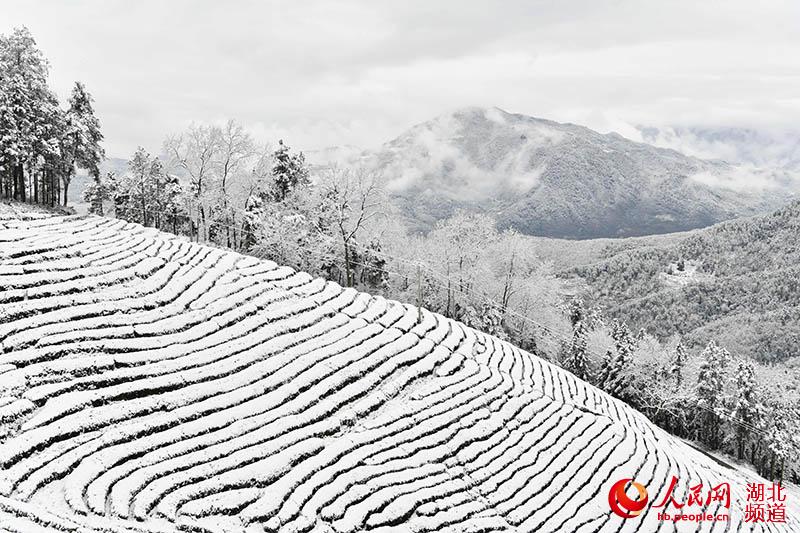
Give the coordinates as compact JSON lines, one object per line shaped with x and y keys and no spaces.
{"x":622,"y":504}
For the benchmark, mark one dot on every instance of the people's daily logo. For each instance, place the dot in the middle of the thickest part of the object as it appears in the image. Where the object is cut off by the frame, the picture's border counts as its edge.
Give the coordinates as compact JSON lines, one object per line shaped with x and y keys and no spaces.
{"x":622,"y":504}
{"x":698,"y":502}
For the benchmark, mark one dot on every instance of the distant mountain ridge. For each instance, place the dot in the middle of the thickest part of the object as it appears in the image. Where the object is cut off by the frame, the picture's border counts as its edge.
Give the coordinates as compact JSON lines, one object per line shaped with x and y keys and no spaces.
{"x":560,"y":180}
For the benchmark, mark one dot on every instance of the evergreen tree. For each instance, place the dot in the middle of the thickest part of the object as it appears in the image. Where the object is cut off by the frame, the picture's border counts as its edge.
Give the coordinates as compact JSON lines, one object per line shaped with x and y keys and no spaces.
{"x":678,"y":362}
{"x":616,"y":378}
{"x":39,"y":143}
{"x":781,"y":440}
{"x":710,"y":387}
{"x":49,"y":151}
{"x":288,"y":171}
{"x":373,"y":269}
{"x":172,"y":205}
{"x":148,"y":196}
{"x":251,"y":223}
{"x":29,"y":113}
{"x":576,"y":312}
{"x":745,"y":408}
{"x":97,"y":192}
{"x":577,"y":360}
{"x":82,"y":136}
{"x":606,"y":365}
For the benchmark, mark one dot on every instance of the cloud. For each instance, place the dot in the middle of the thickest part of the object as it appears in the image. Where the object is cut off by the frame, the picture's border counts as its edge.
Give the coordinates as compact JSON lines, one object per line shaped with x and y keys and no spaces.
{"x":766,"y":147}
{"x":357,"y":72}
{"x":746,"y":177}
{"x":441,"y":154}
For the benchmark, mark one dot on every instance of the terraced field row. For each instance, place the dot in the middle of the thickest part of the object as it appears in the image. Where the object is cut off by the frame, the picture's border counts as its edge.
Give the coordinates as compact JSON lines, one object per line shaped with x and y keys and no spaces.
{"x":152,"y":384}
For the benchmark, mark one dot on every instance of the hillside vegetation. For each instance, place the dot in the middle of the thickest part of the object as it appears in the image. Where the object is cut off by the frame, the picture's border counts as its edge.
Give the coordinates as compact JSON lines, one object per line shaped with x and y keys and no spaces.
{"x":737,"y":282}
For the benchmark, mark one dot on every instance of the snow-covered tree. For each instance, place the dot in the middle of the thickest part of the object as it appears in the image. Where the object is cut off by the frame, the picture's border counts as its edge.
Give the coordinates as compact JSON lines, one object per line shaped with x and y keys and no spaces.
{"x":604,"y":372}
{"x":374,"y":273}
{"x":288,"y":172}
{"x":780,"y":438}
{"x":710,"y":388}
{"x":485,"y":317}
{"x":678,"y":364}
{"x":614,"y":375}
{"x":98,"y":191}
{"x":252,"y":221}
{"x":577,"y":359}
{"x":236,"y":149}
{"x":40,"y":144}
{"x":286,"y":232}
{"x":30,"y":119}
{"x":458,"y":246}
{"x":146,"y":194}
{"x":745,"y":408}
{"x":82,"y":136}
{"x":195,"y":152}
{"x":350,"y":199}
{"x":576,"y":311}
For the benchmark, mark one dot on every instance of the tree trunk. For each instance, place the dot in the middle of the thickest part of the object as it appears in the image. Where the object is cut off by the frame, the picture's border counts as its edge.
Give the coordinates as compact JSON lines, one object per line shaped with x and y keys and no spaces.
{"x":66,"y":188}
{"x":202,"y":230}
{"x":19,"y":182}
{"x":144,"y":206}
{"x":347,"y":264}
{"x":51,"y":191}
{"x":225,"y":208}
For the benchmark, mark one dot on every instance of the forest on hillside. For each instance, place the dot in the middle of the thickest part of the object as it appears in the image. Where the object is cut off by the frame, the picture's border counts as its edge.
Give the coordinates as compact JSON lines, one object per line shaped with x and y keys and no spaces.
{"x":216,"y":184}
{"x":736,"y":282}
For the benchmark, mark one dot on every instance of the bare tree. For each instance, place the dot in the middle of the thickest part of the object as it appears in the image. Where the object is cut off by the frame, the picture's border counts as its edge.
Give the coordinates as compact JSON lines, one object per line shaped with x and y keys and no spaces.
{"x":249,"y":195}
{"x":235,"y":148}
{"x":354,"y":198}
{"x":194,"y":151}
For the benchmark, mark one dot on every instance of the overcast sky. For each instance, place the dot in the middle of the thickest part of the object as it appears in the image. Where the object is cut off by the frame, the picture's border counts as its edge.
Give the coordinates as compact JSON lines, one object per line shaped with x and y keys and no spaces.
{"x":321,"y":73}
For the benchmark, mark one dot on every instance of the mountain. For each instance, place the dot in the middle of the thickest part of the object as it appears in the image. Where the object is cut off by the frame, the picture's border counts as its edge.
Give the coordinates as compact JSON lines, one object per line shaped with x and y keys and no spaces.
{"x":737,"y":282}
{"x":561,"y":180}
{"x":152,"y":384}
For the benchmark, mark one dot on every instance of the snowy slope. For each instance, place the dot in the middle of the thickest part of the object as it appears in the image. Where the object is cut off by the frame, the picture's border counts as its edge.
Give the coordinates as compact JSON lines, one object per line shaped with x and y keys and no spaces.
{"x":561,"y":180}
{"x":151,"y":384}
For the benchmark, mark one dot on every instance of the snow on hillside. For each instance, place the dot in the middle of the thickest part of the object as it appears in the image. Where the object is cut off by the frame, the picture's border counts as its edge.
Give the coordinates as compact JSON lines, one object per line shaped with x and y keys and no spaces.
{"x":152,"y":384}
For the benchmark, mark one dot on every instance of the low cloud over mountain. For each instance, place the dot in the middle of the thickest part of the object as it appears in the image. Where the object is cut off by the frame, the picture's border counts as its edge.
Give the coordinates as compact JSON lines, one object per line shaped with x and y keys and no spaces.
{"x":562,"y":180}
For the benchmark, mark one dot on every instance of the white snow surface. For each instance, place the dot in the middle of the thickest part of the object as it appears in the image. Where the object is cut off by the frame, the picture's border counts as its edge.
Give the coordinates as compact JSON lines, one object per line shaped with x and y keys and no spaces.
{"x":148,"y":384}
